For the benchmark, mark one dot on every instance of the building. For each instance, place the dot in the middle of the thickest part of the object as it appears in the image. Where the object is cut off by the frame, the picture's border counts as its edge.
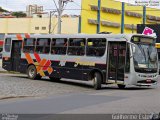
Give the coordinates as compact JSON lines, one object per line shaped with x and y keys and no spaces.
{"x":33,"y":9}
{"x":110,"y":16}
{"x":37,"y":25}
{"x":110,"y":19}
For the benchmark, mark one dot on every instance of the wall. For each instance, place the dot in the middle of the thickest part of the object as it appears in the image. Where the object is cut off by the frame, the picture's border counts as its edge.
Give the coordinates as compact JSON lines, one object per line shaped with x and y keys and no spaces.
{"x":135,"y":18}
{"x":37,"y":25}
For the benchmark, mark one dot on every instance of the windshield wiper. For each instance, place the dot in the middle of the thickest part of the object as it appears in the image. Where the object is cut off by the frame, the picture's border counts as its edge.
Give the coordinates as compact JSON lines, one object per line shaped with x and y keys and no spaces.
{"x":148,"y":54}
{"x":142,"y":50}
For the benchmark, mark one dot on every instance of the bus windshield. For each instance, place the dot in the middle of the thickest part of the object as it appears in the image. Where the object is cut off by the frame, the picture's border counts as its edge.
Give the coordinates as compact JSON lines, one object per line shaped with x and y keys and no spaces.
{"x":145,"y":57}
{"x":144,"y":54}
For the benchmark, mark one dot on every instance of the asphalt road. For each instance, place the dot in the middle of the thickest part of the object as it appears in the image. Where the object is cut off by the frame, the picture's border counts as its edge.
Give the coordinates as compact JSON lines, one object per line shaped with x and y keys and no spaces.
{"x":21,"y":95}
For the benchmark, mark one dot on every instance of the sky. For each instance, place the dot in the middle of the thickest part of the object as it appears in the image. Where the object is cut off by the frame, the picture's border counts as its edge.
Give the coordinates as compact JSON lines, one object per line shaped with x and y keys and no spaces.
{"x":20,"y":5}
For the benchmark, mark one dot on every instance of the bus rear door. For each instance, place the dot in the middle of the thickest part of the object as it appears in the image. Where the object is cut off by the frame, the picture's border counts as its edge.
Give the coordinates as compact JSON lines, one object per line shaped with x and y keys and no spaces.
{"x":116,"y":62}
{"x":16,"y":55}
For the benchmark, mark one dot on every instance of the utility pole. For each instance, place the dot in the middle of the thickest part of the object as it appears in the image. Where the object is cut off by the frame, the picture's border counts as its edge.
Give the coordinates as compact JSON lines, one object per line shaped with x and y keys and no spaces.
{"x":132,"y":28}
{"x":122,"y":18}
{"x":79,"y":24}
{"x":59,"y":16}
{"x":61,"y":4}
{"x":144,"y":14}
{"x":99,"y":16}
{"x":50,"y":20}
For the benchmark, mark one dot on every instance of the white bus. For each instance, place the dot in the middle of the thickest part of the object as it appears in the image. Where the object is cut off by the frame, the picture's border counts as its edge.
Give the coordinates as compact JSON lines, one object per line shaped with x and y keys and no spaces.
{"x":103,"y":58}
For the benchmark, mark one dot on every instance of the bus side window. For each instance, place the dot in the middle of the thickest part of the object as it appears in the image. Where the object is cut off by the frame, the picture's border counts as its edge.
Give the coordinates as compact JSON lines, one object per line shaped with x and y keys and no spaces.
{"x":7,"y":46}
{"x":43,"y":45}
{"x":29,"y":45}
{"x":59,"y":46}
{"x":76,"y":46}
{"x":53,"y":43}
{"x":1,"y":49}
{"x":96,"y":46}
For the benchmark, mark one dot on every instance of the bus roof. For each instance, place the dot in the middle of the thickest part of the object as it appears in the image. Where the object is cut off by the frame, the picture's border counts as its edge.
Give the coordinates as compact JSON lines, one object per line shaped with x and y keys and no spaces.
{"x":116,"y":36}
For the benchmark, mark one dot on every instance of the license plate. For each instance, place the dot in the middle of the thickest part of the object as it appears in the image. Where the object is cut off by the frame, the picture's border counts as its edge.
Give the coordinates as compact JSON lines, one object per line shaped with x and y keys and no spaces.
{"x":148,"y":81}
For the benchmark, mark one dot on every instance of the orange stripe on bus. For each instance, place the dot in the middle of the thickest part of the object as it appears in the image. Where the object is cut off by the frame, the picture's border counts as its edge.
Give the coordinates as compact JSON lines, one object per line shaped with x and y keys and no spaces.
{"x":22,"y":44}
{"x":50,"y":70}
{"x":42,"y":73}
{"x":41,"y":64}
{"x":37,"y":57}
{"x":27,"y":35}
{"x":28,"y":57}
{"x":48,"y":63}
{"x":19,"y":37}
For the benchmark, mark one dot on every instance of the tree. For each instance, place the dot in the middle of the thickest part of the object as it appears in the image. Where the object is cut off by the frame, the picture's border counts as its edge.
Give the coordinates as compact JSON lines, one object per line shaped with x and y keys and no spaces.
{"x":3,"y":10}
{"x":19,"y":14}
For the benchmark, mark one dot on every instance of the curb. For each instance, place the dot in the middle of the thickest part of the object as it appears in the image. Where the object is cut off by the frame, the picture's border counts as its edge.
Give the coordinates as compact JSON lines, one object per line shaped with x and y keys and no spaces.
{"x":4,"y":72}
{"x":11,"y":72}
{"x":12,"y":97}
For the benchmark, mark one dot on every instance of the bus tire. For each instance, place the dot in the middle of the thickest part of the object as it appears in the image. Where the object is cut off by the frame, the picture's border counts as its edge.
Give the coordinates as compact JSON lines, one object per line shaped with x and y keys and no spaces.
{"x":121,"y":86}
{"x":32,"y":72}
{"x":97,"y":81}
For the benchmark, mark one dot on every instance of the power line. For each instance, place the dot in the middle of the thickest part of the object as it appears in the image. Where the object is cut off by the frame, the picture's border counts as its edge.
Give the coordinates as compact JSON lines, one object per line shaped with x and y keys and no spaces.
{"x":62,"y":4}
{"x":54,"y":27}
{"x":56,"y":5}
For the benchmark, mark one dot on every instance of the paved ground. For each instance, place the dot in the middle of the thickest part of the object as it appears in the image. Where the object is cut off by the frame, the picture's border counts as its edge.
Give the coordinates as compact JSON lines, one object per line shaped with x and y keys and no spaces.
{"x":13,"y":85}
{"x":21,"y":95}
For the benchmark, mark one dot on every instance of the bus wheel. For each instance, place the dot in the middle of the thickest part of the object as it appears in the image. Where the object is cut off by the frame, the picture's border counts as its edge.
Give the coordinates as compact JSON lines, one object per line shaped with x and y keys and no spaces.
{"x":32,"y":72}
{"x":97,"y":81}
{"x":55,"y":79}
{"x":121,"y":86}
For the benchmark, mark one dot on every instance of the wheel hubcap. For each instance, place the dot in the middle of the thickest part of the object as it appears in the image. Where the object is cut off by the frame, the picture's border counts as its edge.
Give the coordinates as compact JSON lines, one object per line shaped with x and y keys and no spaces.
{"x":94,"y":80}
{"x":31,"y":72}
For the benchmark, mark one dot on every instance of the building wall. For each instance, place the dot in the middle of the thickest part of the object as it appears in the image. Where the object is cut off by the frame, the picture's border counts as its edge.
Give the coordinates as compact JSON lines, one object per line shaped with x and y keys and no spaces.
{"x":115,"y":19}
{"x":69,"y":25}
{"x":37,"y":25}
{"x":133,"y":20}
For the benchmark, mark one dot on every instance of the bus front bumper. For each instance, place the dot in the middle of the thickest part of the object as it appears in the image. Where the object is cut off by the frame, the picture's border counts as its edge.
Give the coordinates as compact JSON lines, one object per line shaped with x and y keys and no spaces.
{"x":146,"y":83}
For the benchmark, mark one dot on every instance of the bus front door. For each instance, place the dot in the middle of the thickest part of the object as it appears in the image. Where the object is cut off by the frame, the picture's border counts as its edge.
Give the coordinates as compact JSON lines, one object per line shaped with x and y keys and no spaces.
{"x":16,"y":55}
{"x":116,"y":62}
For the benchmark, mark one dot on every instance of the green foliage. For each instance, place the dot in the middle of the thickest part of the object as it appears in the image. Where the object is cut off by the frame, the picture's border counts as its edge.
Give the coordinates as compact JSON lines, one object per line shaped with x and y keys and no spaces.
{"x":19,"y":14}
{"x":3,"y":10}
